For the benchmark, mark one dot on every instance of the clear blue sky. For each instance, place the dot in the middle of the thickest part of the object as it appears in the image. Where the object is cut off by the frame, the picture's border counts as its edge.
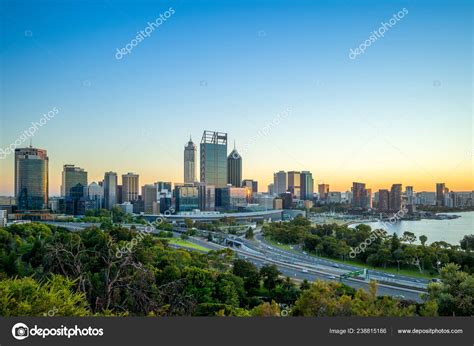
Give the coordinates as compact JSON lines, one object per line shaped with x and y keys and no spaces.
{"x":401,"y":112}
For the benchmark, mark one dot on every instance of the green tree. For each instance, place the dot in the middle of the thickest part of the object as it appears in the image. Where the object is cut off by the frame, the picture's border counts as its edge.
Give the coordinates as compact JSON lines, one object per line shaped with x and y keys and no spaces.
{"x":249,"y":233}
{"x":423,"y":239}
{"x":27,"y":297}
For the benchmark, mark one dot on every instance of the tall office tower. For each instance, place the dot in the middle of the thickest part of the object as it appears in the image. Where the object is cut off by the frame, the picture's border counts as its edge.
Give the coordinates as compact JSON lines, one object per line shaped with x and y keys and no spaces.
{"x":163,"y":185}
{"x":251,"y":184}
{"x":384,"y":200}
{"x":207,"y":197}
{"x":130,"y":183}
{"x":234,"y":168}
{"x":307,"y":185}
{"x":294,"y":184}
{"x":110,"y":189}
{"x":190,"y":157}
{"x":359,"y":195}
{"x":323,"y":190}
{"x":440,"y":189}
{"x":409,"y":195}
{"x":95,"y":193}
{"x":271,"y":189}
{"x":368,"y":198}
{"x":72,"y":177}
{"x":280,"y":182}
{"x":396,"y":197}
{"x":31,"y":178}
{"x":214,"y":158}
{"x":149,"y":196}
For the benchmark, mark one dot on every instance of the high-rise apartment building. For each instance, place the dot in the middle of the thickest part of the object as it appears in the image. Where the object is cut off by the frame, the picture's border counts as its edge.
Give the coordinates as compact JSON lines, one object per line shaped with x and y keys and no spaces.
{"x":359,"y":195}
{"x":190,"y":166}
{"x":130,"y":186}
{"x":440,"y":190}
{"x":213,"y":155}
{"x":31,"y":178}
{"x":384,"y":200}
{"x":396,"y":197}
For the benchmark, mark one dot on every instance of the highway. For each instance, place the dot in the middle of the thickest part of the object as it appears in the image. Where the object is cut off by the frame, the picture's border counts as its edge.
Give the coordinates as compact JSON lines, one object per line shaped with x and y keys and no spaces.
{"x":298,"y":265}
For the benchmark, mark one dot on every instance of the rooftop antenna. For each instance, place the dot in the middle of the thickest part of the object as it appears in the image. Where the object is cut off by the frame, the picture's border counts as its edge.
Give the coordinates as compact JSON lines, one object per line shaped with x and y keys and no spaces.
{"x":31,"y":142}
{"x":234,"y":144}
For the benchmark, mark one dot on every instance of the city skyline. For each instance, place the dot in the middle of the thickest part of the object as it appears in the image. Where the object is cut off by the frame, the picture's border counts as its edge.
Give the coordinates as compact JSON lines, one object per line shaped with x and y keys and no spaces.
{"x":317,"y":184}
{"x":345,"y":117}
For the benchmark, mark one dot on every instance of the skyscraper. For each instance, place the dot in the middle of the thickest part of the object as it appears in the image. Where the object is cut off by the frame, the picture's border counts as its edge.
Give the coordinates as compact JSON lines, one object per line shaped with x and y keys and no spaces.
{"x":130,"y":184}
{"x":214,"y":158}
{"x":280,"y":182}
{"x":110,"y":189}
{"x":271,"y":189}
{"x":163,"y":185}
{"x":190,"y":157}
{"x":323,"y":190}
{"x":384,"y":200}
{"x":409,"y":195}
{"x":368,"y":198}
{"x":359,"y":195}
{"x":234,"y":168}
{"x":294,"y":184}
{"x":440,"y":188}
{"x":95,"y":193}
{"x":251,"y":184}
{"x":72,"y":177}
{"x":396,"y":197}
{"x":31,"y":178}
{"x":149,"y":197}
{"x":207,"y":197}
{"x":307,"y":185}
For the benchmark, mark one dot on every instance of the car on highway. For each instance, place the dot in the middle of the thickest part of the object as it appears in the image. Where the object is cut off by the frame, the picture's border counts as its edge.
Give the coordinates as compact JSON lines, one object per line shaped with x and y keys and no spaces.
{"x":399,"y":296}
{"x":438,"y":281}
{"x":304,"y":270}
{"x":332,"y":277}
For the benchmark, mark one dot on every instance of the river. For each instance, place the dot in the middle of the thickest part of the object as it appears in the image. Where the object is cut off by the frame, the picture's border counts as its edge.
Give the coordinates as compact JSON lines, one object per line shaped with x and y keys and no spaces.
{"x":450,"y":231}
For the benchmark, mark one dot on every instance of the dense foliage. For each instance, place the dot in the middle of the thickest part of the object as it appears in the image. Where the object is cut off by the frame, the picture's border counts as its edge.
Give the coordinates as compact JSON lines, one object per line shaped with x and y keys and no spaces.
{"x":116,"y":271}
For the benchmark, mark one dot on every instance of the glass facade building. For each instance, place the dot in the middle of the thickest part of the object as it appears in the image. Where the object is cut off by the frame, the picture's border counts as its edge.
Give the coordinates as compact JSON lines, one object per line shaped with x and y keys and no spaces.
{"x":31,"y":178}
{"x":187,"y":198}
{"x":214,"y":158}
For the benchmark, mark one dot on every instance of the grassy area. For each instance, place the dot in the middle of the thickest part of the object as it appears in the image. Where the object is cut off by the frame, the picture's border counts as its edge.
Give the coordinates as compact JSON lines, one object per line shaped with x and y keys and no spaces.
{"x":391,"y":270}
{"x":185,"y":243}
